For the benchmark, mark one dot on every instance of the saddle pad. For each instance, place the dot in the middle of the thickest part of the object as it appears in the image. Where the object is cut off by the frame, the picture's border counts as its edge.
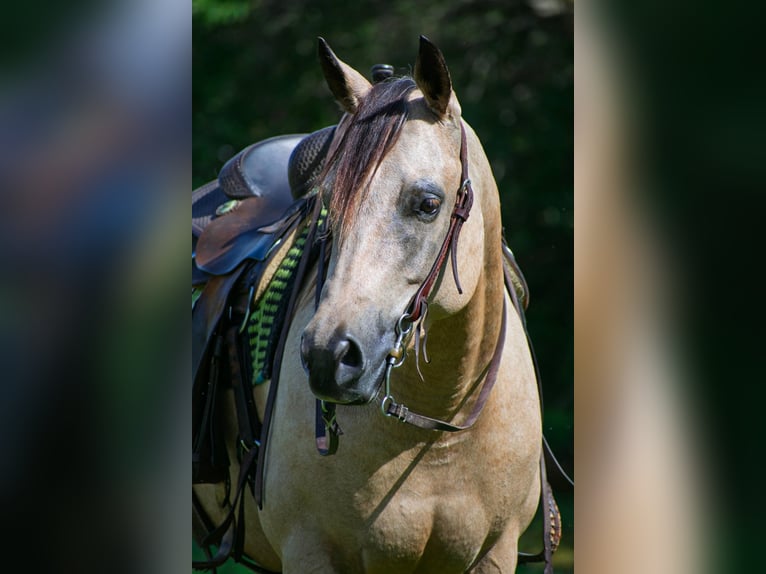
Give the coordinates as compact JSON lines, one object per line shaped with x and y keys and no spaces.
{"x":267,"y":317}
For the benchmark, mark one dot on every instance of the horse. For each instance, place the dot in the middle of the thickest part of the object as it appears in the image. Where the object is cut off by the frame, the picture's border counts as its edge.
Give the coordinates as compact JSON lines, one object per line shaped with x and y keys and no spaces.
{"x":412,"y":309}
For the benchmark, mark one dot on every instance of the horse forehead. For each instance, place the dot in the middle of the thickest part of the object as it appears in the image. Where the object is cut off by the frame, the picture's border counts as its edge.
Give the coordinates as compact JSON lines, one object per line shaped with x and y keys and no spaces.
{"x":425,"y":148}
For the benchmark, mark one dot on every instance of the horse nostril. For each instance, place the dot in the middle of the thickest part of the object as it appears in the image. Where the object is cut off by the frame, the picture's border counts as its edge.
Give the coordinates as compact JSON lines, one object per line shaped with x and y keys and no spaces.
{"x":349,"y":359}
{"x":348,"y":353}
{"x":337,"y":364}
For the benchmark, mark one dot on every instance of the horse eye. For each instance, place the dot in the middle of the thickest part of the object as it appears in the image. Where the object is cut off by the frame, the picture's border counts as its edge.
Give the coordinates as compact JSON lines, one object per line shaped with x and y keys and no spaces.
{"x":430,"y":205}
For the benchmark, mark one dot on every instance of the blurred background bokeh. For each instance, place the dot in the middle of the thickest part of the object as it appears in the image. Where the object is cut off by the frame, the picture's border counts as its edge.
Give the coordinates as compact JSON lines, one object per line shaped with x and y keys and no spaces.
{"x":256,"y":75}
{"x":96,"y":168}
{"x":94,"y":188}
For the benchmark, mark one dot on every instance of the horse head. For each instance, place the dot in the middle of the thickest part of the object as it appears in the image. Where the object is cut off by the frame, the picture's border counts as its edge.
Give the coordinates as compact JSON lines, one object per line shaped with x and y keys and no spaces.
{"x":391,"y":181}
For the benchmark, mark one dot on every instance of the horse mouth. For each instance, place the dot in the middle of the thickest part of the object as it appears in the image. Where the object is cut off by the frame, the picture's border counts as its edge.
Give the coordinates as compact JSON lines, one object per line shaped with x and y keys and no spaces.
{"x":360,"y":390}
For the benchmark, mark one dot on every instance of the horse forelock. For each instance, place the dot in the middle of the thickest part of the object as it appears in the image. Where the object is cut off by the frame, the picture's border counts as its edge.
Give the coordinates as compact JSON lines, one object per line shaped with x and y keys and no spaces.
{"x":370,"y":134}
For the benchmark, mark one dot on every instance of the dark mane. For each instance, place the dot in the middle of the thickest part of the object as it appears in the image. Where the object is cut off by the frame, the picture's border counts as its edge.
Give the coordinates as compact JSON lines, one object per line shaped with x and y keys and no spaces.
{"x":372,"y":132}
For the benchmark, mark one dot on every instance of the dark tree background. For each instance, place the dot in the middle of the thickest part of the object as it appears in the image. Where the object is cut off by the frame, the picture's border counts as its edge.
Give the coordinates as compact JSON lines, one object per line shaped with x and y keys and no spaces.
{"x":256,"y":76}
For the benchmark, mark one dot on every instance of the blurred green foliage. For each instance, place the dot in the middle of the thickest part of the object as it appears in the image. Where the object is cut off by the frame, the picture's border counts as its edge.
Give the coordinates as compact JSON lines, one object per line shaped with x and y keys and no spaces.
{"x":256,"y":75}
{"x":216,"y":12}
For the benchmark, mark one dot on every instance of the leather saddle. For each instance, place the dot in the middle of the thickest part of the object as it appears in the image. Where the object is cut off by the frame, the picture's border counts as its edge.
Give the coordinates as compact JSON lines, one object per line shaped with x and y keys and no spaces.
{"x":260,"y":195}
{"x":234,"y":216}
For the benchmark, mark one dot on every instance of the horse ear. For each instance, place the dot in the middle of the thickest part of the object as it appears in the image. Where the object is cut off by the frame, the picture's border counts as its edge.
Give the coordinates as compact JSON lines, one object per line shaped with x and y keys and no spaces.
{"x":432,"y":78}
{"x":347,"y":85}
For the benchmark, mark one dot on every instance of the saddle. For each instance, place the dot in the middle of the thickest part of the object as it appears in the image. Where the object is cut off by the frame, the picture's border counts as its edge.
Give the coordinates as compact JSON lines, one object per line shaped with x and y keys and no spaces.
{"x":260,"y":183}
{"x":259,"y":197}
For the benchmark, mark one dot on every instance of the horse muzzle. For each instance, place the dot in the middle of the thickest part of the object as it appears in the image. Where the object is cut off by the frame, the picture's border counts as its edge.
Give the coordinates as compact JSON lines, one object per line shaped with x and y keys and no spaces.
{"x":337,"y":369}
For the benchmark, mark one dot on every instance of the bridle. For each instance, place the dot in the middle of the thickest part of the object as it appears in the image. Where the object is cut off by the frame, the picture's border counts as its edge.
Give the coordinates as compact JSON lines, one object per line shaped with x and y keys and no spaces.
{"x":418,"y":309}
{"x":411,"y":321}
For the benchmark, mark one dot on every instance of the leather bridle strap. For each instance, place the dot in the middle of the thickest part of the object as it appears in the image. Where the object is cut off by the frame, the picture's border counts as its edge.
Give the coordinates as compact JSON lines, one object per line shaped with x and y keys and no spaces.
{"x":460,"y":212}
{"x":405,"y":415}
{"x":419,"y":304}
